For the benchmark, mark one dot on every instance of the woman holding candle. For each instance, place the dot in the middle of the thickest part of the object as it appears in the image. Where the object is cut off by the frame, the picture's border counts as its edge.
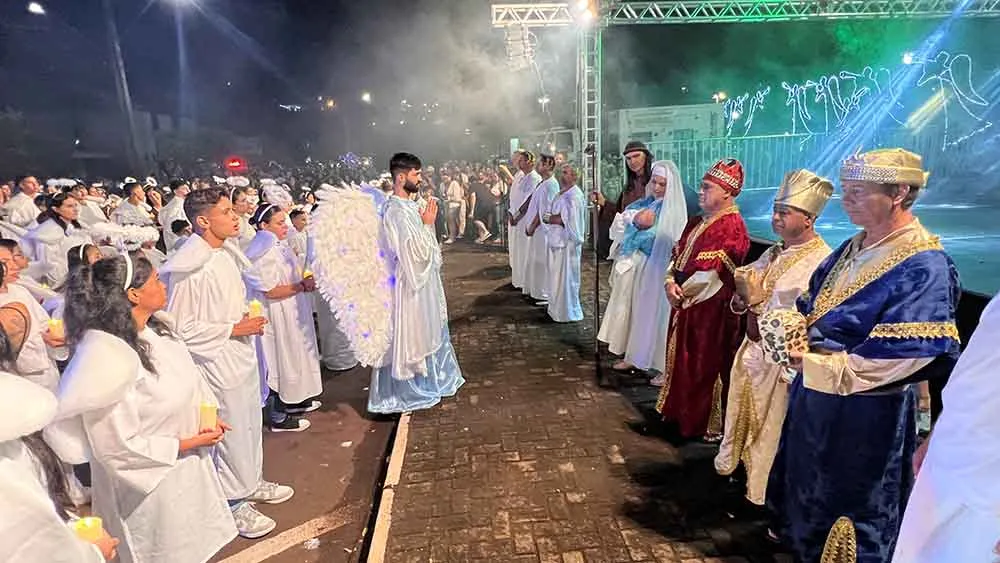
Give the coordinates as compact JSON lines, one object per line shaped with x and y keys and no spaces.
{"x":32,"y":483}
{"x":136,"y":391}
{"x":287,"y":351}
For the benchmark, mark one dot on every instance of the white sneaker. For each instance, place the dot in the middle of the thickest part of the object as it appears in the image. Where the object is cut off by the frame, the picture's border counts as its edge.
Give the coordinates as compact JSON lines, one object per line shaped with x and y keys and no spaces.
{"x":313,"y":405}
{"x":250,"y":523}
{"x":659,"y":381}
{"x":449,"y":241}
{"x":271,"y":493}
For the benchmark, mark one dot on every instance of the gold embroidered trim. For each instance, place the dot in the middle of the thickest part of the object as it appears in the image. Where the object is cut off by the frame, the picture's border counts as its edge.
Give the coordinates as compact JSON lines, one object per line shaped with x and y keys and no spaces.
{"x":715,"y":421}
{"x":697,"y":232}
{"x":841,"y":544}
{"x":772,"y":274}
{"x":720,"y":254}
{"x":668,"y":372}
{"x":741,"y":426}
{"x":827,"y":299}
{"x":945,"y":329}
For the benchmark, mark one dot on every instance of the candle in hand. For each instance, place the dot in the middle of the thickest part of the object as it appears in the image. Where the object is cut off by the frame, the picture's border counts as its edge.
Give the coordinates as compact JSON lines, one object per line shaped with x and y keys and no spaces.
{"x":256,"y":309}
{"x":307,"y":273}
{"x":89,"y":529}
{"x":56,"y":328}
{"x":208,"y":417}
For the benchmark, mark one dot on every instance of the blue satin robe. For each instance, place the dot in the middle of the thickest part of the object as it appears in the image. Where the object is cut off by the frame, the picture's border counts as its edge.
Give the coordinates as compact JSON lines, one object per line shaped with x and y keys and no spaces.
{"x":851,"y":455}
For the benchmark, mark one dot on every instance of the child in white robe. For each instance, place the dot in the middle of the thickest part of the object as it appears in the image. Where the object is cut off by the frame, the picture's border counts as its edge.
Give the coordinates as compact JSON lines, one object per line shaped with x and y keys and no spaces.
{"x":32,"y":484}
{"x":287,"y":350}
{"x":207,"y":299}
{"x":136,"y":393}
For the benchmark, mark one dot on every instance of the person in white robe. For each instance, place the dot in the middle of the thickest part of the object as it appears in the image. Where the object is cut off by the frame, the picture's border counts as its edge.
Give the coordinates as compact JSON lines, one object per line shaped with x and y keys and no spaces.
{"x":207,"y":297}
{"x":57,"y":232}
{"x":172,"y":211}
{"x":134,"y":390}
{"x":243,"y":205}
{"x":420,"y":368}
{"x":42,"y":346}
{"x":132,"y":211}
{"x":297,"y":235}
{"x":287,"y":350}
{"x":524,"y":185}
{"x":21,"y":210}
{"x":758,"y":388}
{"x":536,"y":263}
{"x":566,"y":230}
{"x":29,"y":274}
{"x":953,"y":513}
{"x":644,"y":234}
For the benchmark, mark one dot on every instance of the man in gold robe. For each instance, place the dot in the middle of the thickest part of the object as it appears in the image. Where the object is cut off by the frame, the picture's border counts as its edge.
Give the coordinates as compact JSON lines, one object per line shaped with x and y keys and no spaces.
{"x":758,"y":388}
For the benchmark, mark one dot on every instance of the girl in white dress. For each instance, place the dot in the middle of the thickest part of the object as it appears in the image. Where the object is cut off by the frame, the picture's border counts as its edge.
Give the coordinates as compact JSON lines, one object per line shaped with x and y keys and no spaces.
{"x":134,"y":391}
{"x":58,"y":230}
{"x":287,"y":350}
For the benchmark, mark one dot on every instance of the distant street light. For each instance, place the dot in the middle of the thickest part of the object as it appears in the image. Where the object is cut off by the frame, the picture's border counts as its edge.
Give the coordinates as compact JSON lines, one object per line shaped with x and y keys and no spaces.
{"x":36,"y":8}
{"x":366,"y":97}
{"x":719,"y":97}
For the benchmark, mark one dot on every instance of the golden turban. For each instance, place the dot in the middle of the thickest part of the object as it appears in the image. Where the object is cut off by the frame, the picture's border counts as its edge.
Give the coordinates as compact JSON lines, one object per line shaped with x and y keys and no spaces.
{"x":886,"y":166}
{"x":804,"y":191}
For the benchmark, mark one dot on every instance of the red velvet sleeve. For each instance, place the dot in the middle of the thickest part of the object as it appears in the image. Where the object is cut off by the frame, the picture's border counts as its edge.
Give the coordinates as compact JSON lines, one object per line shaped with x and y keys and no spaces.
{"x":722,"y":247}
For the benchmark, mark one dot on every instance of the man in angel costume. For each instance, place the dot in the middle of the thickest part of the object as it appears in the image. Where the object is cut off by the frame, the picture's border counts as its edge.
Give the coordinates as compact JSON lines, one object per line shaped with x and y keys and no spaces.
{"x":206,"y":296}
{"x":644,"y":234}
{"x":704,"y":332}
{"x":536,"y":262}
{"x":524,"y":184}
{"x":952,"y":514}
{"x":758,"y":389}
{"x":880,"y":312}
{"x":565,"y":230}
{"x":420,"y":366}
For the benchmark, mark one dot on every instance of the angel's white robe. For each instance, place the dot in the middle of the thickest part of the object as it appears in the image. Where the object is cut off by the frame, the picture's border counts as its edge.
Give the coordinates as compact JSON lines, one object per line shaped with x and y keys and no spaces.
{"x":36,"y":362}
{"x":420,"y":366}
{"x":247,"y":232}
{"x":564,"y":248}
{"x":523,"y":187}
{"x":30,"y":529}
{"x":287,"y":349}
{"x":953,"y":514}
{"x":536,"y":264}
{"x":172,"y":211}
{"x":46,"y":246}
{"x":128,"y":214}
{"x":206,"y":296}
{"x":162,"y":504}
{"x":21,"y":210}
{"x":91,"y":213}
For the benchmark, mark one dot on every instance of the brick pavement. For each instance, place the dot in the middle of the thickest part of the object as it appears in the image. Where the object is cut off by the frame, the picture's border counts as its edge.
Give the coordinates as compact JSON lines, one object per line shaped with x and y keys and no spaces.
{"x":533,"y":462}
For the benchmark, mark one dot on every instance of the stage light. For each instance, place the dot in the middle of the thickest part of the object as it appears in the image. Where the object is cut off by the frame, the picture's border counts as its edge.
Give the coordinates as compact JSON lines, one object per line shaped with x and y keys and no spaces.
{"x":366,"y":97}
{"x":36,"y":9}
{"x":236,"y":164}
{"x":907,"y":58}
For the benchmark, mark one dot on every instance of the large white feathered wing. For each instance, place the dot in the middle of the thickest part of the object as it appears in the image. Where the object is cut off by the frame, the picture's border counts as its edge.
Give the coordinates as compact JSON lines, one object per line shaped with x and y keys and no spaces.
{"x":351,"y":271}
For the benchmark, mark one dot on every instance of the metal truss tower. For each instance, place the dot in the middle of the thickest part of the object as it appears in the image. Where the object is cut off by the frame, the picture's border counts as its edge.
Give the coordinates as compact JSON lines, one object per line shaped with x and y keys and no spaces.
{"x":615,"y":12}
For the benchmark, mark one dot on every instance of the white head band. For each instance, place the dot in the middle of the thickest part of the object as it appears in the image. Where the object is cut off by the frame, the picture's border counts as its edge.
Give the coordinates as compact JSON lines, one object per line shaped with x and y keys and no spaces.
{"x":128,"y":270}
{"x":260,"y":217}
{"x":82,"y":248}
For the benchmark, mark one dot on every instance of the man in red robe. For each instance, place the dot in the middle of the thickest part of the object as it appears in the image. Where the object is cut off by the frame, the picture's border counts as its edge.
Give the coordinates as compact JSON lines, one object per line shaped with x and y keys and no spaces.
{"x":704,"y":332}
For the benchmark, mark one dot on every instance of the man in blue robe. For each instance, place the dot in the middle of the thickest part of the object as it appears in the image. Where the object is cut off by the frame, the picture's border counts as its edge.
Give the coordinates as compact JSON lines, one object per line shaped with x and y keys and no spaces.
{"x":880,"y":313}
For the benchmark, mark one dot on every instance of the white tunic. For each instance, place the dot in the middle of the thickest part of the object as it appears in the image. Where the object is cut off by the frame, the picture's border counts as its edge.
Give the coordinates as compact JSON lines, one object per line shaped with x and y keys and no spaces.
{"x":207,"y":297}
{"x":954,"y":510}
{"x":521,"y":189}
{"x":247,"y":232}
{"x":288,"y":346}
{"x":565,"y":246}
{"x":91,"y":213}
{"x":128,"y":214}
{"x":536,"y":263}
{"x":47,"y":245}
{"x":36,"y":362}
{"x":21,"y":210}
{"x":144,"y":489}
{"x":172,"y":211}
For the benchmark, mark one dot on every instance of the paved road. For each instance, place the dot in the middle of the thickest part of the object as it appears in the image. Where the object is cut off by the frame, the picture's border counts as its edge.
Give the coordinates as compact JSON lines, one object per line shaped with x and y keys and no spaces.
{"x":533,"y":462}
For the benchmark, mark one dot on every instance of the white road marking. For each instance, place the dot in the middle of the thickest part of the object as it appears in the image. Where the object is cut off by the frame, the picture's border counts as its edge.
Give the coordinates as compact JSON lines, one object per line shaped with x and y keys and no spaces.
{"x":318,"y":526}
{"x":380,"y":537}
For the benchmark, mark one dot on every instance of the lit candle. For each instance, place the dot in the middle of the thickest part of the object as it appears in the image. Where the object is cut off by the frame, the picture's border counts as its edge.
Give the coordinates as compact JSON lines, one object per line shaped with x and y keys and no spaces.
{"x":89,"y":529}
{"x":56,"y":328}
{"x":208,"y":417}
{"x":256,"y":309}
{"x":307,"y":273}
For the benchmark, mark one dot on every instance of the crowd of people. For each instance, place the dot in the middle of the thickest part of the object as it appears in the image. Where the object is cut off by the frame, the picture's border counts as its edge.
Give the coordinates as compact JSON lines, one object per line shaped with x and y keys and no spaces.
{"x":809,"y":365}
{"x":150,"y":333}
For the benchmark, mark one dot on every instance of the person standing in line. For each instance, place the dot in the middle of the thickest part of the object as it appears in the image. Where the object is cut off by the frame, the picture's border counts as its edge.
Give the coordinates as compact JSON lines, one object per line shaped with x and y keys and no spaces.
{"x":565,"y":232}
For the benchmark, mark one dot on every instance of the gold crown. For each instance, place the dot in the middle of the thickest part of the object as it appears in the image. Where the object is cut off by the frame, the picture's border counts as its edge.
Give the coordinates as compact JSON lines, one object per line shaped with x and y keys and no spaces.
{"x":886,"y":166}
{"x":804,"y":191}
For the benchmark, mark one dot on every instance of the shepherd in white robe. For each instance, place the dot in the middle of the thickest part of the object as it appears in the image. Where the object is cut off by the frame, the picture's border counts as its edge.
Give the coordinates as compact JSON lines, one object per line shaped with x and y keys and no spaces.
{"x":146,"y":488}
{"x":525,"y":182}
{"x":565,"y":233}
{"x":536,"y":274}
{"x":206,"y":295}
{"x":289,"y":357}
{"x":638,"y":313}
{"x":953,"y":514}
{"x":31,"y":530}
{"x":420,"y":366}
{"x":758,"y":388}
